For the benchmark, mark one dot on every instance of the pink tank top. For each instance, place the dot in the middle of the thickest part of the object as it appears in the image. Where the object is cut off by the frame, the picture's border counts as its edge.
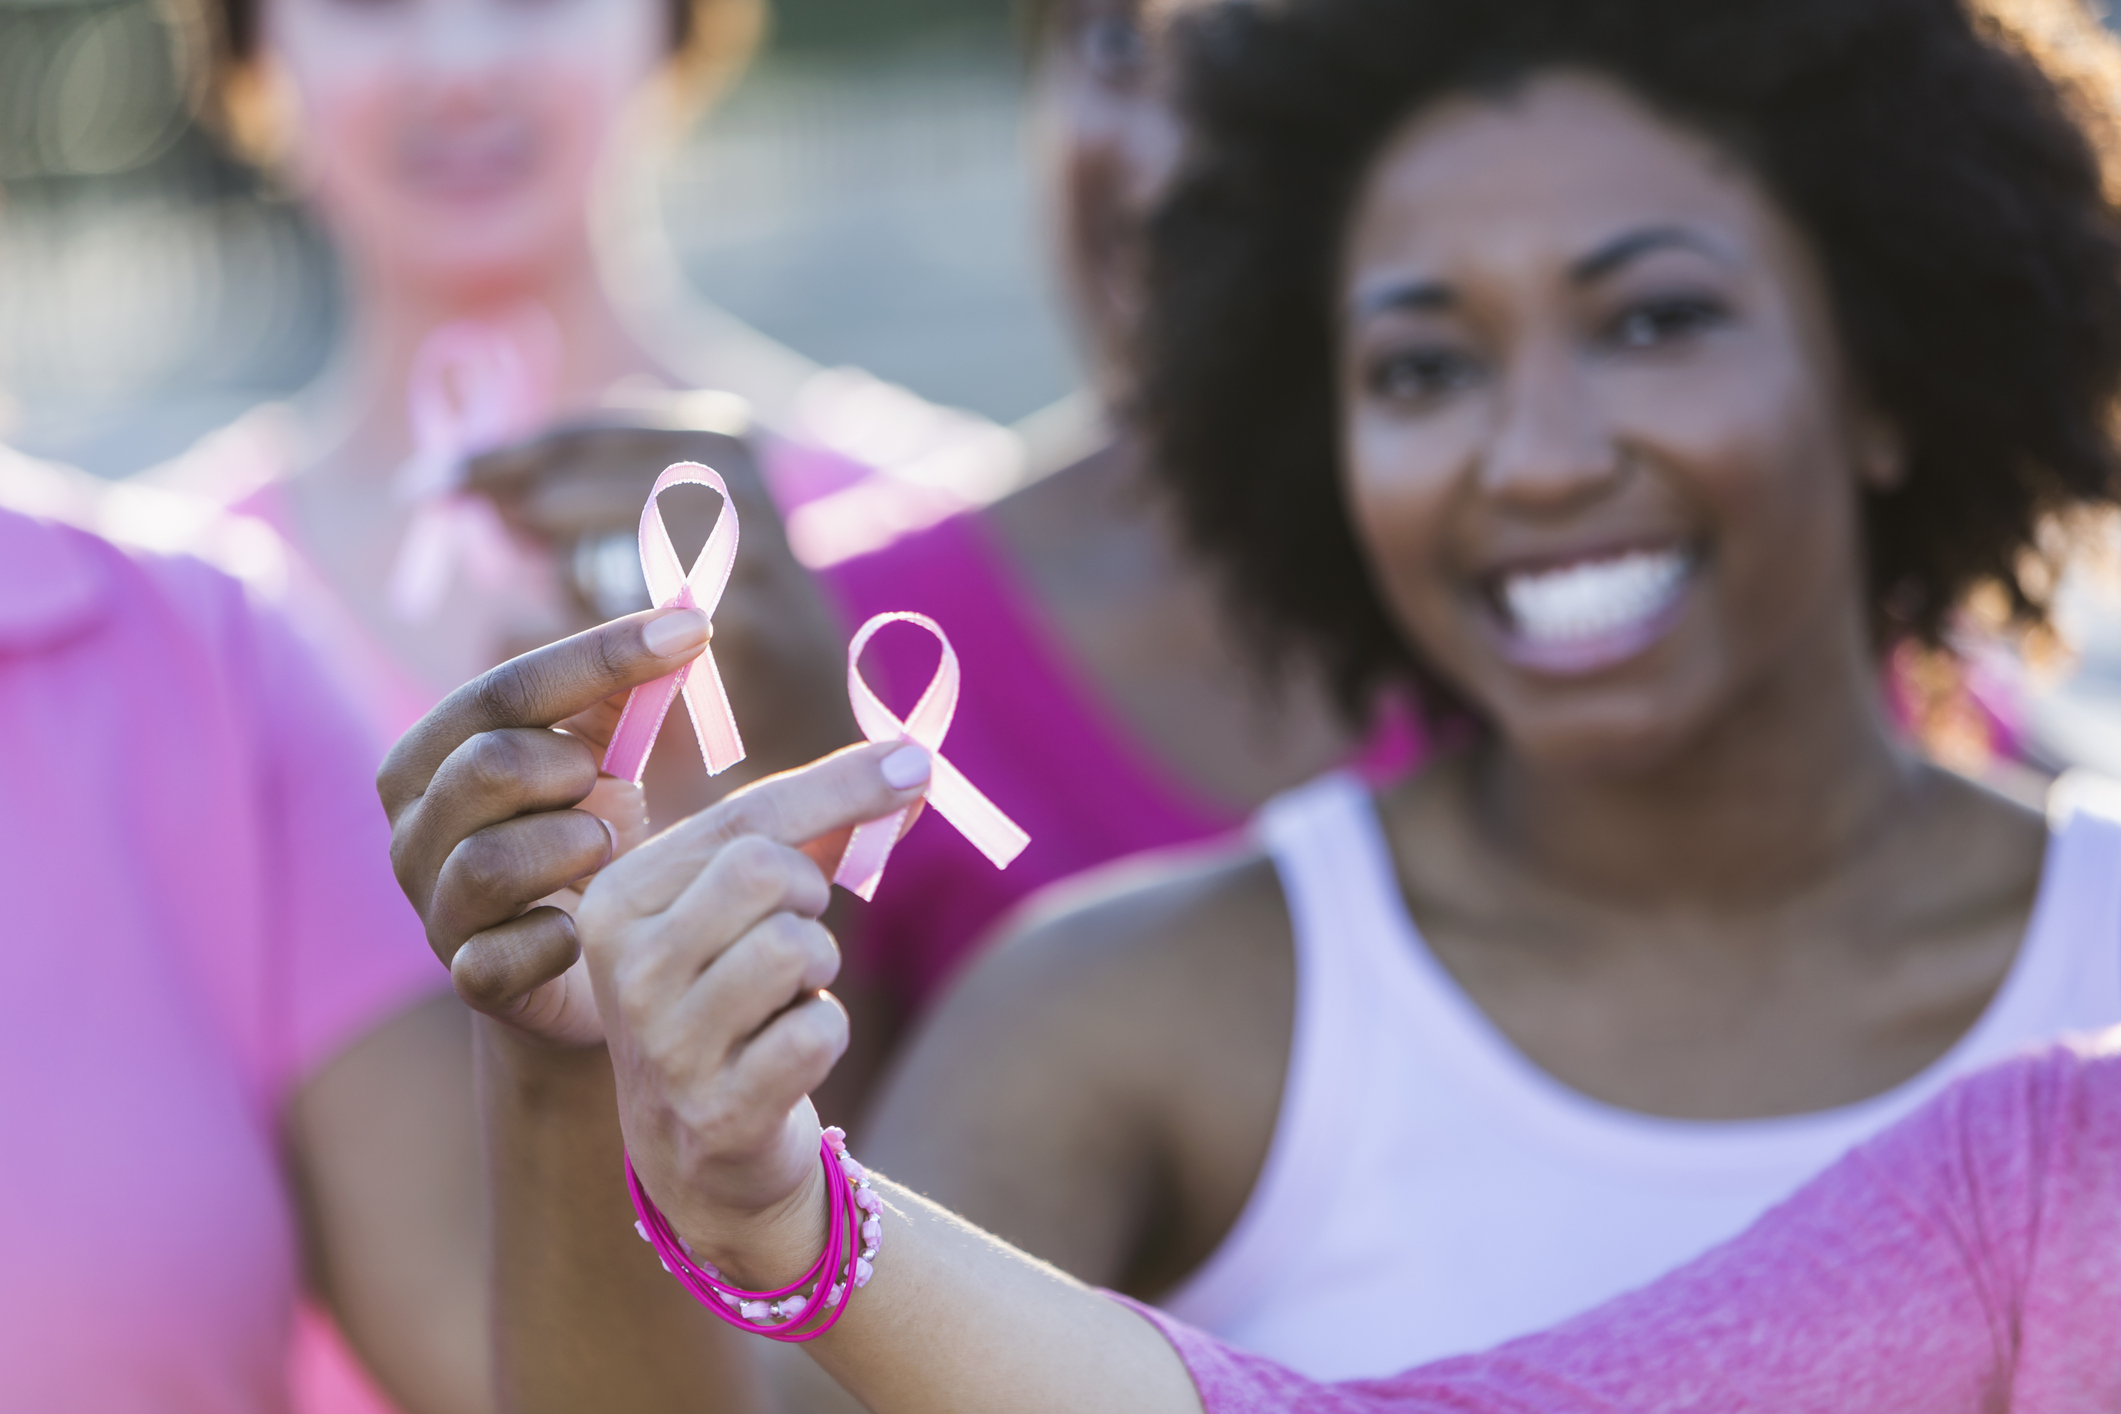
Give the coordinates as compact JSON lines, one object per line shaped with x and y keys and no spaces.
{"x":1034,"y":735}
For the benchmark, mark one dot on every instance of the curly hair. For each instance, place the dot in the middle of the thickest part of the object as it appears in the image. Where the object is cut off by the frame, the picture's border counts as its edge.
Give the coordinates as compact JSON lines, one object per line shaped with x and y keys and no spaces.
{"x":1941,"y":156}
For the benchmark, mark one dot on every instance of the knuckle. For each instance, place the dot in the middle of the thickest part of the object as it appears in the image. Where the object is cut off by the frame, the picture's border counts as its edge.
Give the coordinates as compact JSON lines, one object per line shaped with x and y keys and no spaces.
{"x":480,"y":978}
{"x":482,"y":867}
{"x":505,"y":695}
{"x":496,"y":763}
{"x":816,"y":1036}
{"x":637,"y":989}
{"x":754,"y":868}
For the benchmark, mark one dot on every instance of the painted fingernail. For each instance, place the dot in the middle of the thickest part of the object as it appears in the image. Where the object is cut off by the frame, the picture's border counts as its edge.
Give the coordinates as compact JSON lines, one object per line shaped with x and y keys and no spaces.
{"x":907,"y":766}
{"x":675,"y":632}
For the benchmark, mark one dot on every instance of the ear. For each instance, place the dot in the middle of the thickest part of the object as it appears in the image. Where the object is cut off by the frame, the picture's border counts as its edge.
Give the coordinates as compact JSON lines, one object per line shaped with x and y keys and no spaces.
{"x":1881,"y":453}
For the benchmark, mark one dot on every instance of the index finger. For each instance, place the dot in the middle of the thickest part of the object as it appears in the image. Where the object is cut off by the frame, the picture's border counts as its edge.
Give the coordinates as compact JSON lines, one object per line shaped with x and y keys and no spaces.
{"x":542,"y":689}
{"x":814,"y":805}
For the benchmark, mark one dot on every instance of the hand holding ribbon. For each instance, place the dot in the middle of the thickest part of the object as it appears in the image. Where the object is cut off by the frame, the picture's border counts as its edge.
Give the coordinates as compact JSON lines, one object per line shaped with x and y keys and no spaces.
{"x":954,"y":797}
{"x":671,"y":586}
{"x":475,"y":385}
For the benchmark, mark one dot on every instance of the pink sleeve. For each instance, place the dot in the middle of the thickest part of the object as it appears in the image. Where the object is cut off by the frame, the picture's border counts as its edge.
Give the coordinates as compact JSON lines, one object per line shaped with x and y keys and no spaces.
{"x":349,"y":951}
{"x":1938,"y":1268}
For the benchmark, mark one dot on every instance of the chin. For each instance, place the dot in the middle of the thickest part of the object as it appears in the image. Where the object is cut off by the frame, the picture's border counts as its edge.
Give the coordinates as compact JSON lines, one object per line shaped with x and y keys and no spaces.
{"x":475,"y":269}
{"x":1623,"y":735}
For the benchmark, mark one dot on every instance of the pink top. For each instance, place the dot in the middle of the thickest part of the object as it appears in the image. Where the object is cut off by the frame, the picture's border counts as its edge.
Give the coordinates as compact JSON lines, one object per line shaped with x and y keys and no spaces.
{"x":1031,"y":734}
{"x":1966,"y":1261}
{"x":202,"y":916}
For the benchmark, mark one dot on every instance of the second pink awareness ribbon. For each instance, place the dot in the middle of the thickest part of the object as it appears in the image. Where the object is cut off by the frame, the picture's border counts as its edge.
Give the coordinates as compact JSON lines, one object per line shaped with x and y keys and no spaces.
{"x":475,"y":385}
{"x":671,"y":586}
{"x":953,"y":797}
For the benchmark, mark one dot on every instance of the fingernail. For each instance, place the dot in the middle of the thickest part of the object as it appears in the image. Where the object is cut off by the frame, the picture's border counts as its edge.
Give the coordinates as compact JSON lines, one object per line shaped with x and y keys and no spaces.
{"x":907,"y":766}
{"x":613,"y":831}
{"x":675,"y":632}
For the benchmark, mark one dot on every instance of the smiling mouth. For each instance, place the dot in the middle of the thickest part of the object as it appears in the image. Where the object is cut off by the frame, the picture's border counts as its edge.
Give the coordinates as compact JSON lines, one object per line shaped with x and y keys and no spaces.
{"x":1593,"y":613}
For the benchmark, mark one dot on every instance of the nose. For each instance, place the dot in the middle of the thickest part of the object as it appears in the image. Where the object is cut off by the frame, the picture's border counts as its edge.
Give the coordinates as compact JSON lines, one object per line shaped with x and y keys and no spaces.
{"x":461,"y":39}
{"x":1552,"y":448}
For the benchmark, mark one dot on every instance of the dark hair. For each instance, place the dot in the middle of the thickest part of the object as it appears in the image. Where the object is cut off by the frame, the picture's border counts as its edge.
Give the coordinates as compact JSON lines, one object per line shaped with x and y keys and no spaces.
{"x":1940,"y":156}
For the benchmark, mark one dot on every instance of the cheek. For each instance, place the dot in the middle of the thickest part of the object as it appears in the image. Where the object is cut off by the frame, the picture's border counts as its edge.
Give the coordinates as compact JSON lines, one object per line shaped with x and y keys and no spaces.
{"x":1764,"y":453}
{"x":1399,"y":486}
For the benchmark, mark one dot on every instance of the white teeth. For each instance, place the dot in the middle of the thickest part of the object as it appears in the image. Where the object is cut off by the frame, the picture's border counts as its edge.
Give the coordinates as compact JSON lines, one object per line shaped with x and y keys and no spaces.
{"x":1594,"y":599}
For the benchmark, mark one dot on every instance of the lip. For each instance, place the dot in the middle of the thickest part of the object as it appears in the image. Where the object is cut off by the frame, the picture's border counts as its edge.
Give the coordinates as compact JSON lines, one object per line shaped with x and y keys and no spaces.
{"x":1500,"y":567}
{"x":1588,"y":656}
{"x":467,"y":168}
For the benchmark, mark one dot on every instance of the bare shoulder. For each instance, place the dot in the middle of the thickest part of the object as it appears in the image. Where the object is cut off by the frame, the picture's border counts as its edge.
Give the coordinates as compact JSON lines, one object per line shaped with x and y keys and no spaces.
{"x":1117,"y":1053}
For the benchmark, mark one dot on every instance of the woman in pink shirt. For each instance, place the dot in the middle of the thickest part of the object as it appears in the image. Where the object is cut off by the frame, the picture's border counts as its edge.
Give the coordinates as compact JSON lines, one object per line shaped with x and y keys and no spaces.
{"x":1571,"y":360}
{"x":229,"y":1070}
{"x":1967,"y":1261}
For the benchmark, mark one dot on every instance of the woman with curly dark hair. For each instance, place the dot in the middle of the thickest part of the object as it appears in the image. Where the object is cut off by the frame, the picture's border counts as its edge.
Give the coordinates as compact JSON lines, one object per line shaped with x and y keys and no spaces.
{"x":1630,"y":374}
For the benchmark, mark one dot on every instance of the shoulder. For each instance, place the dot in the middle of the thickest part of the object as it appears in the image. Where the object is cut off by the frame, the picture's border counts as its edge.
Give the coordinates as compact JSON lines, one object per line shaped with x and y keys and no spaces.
{"x":946,"y":558}
{"x":1151,"y":920}
{"x":1138,"y":978}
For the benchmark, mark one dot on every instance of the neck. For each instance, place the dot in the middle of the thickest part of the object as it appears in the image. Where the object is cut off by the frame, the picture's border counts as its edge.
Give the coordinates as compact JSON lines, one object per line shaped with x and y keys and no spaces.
{"x":1789,"y":785}
{"x":356,"y":409}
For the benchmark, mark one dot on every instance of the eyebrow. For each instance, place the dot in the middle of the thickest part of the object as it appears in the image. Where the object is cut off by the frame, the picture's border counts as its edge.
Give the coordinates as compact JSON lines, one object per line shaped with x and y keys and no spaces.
{"x":1634,"y":245}
{"x":1432,"y":296}
{"x":1415,"y":296}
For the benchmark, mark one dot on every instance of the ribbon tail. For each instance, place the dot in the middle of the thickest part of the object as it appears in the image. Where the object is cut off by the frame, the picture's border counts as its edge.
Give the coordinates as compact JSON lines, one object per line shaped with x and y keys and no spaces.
{"x":713,"y":721}
{"x":419,"y":577}
{"x":489,"y":551}
{"x":977,"y":818}
{"x":862,"y":866}
{"x":631,"y":740}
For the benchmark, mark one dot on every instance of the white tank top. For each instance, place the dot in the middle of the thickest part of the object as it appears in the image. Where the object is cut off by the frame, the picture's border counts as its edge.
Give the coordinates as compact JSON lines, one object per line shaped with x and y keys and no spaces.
{"x":1430,"y":1191}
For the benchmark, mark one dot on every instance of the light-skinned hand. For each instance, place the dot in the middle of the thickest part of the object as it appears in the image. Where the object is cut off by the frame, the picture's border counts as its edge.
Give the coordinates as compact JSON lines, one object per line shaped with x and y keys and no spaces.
{"x":709,"y":966}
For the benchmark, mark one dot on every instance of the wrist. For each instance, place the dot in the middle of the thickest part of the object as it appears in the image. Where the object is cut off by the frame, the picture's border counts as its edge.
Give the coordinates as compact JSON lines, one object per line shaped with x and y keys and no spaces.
{"x":771,"y":1246}
{"x":537,"y":1074}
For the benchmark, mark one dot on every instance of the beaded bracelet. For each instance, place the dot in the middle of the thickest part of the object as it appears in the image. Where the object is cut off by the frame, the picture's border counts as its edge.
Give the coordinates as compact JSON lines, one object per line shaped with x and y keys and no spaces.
{"x":853,"y":1209}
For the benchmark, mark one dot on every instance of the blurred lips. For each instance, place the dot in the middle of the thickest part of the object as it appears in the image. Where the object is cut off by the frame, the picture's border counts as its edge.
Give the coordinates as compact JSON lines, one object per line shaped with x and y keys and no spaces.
{"x":468,"y":165}
{"x":1592,"y":612}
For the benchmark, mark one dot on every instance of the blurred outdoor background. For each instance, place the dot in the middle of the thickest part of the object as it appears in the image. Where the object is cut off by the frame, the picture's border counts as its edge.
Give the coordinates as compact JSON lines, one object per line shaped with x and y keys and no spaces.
{"x":862,"y":197}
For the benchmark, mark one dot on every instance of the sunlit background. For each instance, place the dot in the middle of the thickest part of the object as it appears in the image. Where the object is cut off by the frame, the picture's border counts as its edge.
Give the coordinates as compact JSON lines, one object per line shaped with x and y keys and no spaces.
{"x":862,"y":197}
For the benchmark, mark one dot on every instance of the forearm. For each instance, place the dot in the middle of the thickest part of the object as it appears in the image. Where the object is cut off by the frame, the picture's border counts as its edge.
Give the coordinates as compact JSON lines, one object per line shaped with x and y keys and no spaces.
{"x":584,"y":1317}
{"x":957,"y":1320}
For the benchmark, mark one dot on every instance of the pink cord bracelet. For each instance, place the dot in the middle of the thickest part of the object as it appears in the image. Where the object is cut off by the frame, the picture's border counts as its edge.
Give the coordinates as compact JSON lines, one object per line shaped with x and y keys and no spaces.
{"x":852,"y":1213}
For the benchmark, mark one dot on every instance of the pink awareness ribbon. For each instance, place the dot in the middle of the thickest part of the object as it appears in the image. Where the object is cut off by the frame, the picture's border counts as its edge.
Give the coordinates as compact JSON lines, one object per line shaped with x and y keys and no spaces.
{"x":475,"y":385}
{"x":672,"y":587}
{"x":954,"y":797}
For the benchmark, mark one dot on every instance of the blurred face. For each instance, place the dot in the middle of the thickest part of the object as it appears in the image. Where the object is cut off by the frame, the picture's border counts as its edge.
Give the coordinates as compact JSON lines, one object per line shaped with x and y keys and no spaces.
{"x":454,"y":142}
{"x":1110,"y":143}
{"x":1601,"y":448}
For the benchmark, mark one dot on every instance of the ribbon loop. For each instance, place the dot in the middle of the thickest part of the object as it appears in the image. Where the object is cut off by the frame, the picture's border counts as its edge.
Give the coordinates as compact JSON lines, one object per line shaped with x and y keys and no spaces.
{"x":671,"y":586}
{"x":475,"y":385}
{"x":953,"y":796}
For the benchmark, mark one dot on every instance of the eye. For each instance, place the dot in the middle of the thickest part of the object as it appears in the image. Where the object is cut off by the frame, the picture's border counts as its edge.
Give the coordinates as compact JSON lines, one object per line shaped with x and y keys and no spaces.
{"x":1419,"y":375}
{"x":1655,"y":322}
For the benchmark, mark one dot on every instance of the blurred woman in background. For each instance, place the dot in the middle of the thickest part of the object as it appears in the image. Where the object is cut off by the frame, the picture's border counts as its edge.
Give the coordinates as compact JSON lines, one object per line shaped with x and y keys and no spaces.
{"x":452,"y":151}
{"x":1107,"y":704}
{"x":233,"y":1071}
